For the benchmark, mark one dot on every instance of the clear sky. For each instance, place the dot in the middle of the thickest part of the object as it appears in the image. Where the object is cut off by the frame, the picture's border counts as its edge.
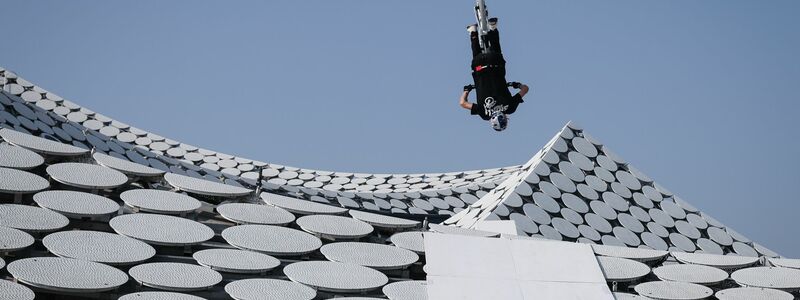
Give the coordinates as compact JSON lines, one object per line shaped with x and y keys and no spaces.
{"x":701,"y":95}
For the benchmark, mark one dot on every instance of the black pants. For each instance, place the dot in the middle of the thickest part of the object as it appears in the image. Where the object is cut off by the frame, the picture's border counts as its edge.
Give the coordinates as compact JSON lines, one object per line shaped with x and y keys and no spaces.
{"x":495,"y":55}
{"x":492,"y":39}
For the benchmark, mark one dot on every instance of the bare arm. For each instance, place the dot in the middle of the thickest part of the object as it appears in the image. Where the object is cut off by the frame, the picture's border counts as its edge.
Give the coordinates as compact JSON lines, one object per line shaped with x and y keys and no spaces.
{"x":523,"y":89}
{"x":463,"y":101}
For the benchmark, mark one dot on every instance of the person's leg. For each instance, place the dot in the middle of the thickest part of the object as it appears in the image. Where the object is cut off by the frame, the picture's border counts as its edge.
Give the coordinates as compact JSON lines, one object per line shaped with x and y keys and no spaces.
{"x":476,"y":45}
{"x":493,"y":37}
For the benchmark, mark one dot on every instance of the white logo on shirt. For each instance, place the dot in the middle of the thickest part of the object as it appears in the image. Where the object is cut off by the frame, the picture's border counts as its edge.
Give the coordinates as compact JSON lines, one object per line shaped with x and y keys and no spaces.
{"x":489,"y":108}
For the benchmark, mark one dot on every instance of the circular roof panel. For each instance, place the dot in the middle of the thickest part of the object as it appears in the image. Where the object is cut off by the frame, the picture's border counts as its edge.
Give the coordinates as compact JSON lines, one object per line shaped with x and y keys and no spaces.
{"x":98,"y":246}
{"x":66,"y":275}
{"x":86,"y":176}
{"x":159,"y":201}
{"x":272,"y":240}
{"x":175,"y":276}
{"x":381,"y":257}
{"x":249,"y":213}
{"x":236,"y":261}
{"x":269,"y":289}
{"x":335,"y":277}
{"x":161,"y":229}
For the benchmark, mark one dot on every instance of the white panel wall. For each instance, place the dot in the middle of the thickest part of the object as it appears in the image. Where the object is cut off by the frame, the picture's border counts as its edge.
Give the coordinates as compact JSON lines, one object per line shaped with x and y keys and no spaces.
{"x":463,"y":267}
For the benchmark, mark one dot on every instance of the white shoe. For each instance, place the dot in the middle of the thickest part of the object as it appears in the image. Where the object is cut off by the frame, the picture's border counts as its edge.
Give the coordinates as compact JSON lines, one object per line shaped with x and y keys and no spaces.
{"x":493,"y":24}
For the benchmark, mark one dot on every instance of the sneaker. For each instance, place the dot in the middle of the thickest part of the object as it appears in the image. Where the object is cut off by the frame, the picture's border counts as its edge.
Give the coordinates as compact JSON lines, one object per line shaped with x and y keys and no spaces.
{"x":472,"y":28}
{"x":492,"y":23}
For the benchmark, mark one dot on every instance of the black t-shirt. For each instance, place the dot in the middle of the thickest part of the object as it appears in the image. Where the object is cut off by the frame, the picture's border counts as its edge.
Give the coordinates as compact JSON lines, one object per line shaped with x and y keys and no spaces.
{"x":486,"y":106}
{"x":491,"y":88}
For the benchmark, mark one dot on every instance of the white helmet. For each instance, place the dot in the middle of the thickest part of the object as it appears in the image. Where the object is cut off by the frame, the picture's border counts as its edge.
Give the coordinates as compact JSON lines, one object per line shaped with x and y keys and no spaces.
{"x":499,"y":121}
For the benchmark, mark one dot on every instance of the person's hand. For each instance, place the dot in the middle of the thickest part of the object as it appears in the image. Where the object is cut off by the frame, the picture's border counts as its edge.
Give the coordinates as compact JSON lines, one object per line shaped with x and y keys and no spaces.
{"x":515,"y":84}
{"x":469,"y":87}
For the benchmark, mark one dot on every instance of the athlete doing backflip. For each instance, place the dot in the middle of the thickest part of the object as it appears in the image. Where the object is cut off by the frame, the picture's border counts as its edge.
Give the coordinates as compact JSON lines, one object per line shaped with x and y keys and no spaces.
{"x":494,"y":101}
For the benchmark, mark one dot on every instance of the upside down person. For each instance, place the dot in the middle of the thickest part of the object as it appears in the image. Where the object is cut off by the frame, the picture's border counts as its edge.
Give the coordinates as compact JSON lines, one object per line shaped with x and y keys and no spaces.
{"x":494,"y":101}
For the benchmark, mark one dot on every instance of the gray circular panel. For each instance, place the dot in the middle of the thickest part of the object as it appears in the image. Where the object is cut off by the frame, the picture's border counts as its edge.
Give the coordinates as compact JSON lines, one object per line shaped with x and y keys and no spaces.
{"x":13,"y":239}
{"x":687,"y":229}
{"x":780,"y":262}
{"x":565,"y":228}
{"x":334,"y":227}
{"x":615,"y":201}
{"x":102,"y":247}
{"x":161,"y":229}
{"x":205,"y":187}
{"x":550,"y":233}
{"x":159,"y":296}
{"x":175,"y":276}
{"x":784,"y":279}
{"x":719,"y":236}
{"x":628,"y":180}
{"x":18,"y":157}
{"x":622,"y":270}
{"x":662,"y":218}
{"x":673,"y":209}
{"x":643,"y":255}
{"x":66,"y":275}
{"x":696,"y":221}
{"x":630,"y":223}
{"x":411,"y":240}
{"x":524,"y":223}
{"x":381,"y":257}
{"x":598,"y":223}
{"x":31,"y":218}
{"x":699,"y":274}
{"x":14,"y":291}
{"x":744,"y":249}
{"x":572,"y":171}
{"x":589,"y":232}
{"x":626,"y":236}
{"x":40,"y":145}
{"x":14,"y":181}
{"x":248,"y":213}
{"x":581,"y":161}
{"x":335,"y":277}
{"x":158,"y":201}
{"x":536,"y":213}
{"x":709,"y":246}
{"x":125,"y":166}
{"x":682,"y":242}
{"x":236,"y":261}
{"x":657,"y":229}
{"x":461,"y":231}
{"x":546,"y":202}
{"x":562,"y":182}
{"x":86,"y":176}
{"x":604,"y":210}
{"x":302,"y":207}
{"x":584,"y":147}
{"x":383,"y":221}
{"x":573,"y":202}
{"x":654,"y":241}
{"x":273,"y":240}
{"x":753,"y":294}
{"x":406,"y":290}
{"x":268,"y":289}
{"x":672,"y":290}
{"x":725,"y":262}
{"x":76,"y":204}
{"x":549,"y":189}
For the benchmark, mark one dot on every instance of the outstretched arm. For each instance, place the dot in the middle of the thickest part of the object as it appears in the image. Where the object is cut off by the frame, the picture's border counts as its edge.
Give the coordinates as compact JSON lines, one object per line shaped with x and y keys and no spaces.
{"x":463,"y":100}
{"x":523,"y":89}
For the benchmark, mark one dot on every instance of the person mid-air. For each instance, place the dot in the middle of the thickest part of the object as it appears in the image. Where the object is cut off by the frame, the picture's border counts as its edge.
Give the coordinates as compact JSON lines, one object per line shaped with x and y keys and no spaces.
{"x":494,"y":102}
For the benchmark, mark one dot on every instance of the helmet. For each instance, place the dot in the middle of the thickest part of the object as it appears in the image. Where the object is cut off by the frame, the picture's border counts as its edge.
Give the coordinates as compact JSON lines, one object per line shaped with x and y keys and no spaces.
{"x":499,"y":121}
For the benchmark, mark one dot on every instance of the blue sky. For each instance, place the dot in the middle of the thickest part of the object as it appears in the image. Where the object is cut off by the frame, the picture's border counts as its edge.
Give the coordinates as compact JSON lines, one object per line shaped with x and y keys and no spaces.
{"x":701,"y":95}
